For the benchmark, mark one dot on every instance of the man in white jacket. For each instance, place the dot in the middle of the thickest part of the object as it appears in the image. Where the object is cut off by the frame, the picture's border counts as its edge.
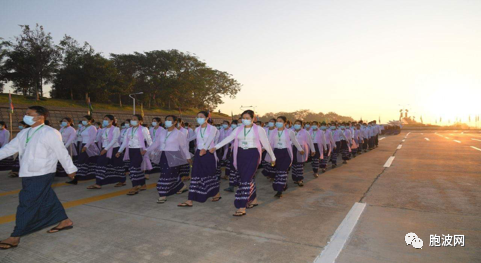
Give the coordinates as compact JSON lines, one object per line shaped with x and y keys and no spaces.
{"x":40,"y":148}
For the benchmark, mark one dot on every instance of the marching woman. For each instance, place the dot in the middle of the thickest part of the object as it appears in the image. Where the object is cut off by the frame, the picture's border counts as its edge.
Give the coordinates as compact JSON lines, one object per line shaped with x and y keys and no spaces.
{"x":317,"y":139}
{"x":69,"y":136}
{"x":344,"y":139}
{"x":134,"y":144}
{"x":281,"y":141}
{"x":98,"y":138}
{"x":204,"y":183}
{"x":224,"y":132}
{"x":123,"y":136}
{"x":358,"y":135}
{"x":87,"y":157}
{"x":185,"y":168}
{"x":5,"y":164}
{"x":78,"y":143}
{"x":110,"y":168}
{"x":305,"y":141}
{"x":248,"y":142}
{"x":230,"y":170}
{"x":191,"y":138}
{"x":172,"y":152}
{"x":269,"y":170}
{"x":337,"y":144}
{"x":154,"y":132}
{"x":327,"y":142}
{"x":16,"y":163}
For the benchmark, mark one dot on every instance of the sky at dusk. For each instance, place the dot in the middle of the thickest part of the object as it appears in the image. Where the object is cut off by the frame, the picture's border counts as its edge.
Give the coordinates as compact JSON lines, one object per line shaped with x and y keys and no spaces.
{"x":357,"y":58}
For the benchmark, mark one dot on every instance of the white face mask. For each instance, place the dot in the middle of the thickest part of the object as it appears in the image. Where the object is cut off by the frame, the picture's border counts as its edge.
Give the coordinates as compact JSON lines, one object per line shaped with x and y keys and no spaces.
{"x":246,"y":122}
{"x":154,"y":123}
{"x":134,"y":123}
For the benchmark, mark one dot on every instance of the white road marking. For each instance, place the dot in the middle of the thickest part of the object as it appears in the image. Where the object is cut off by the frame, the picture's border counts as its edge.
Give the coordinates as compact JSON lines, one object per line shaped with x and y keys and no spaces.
{"x":457,"y":141}
{"x":403,"y":140}
{"x":475,"y":148}
{"x":389,"y":161}
{"x":340,"y":237}
{"x":475,"y":139}
{"x":427,"y":139}
{"x":382,"y":138}
{"x":447,"y":138}
{"x":399,"y":146}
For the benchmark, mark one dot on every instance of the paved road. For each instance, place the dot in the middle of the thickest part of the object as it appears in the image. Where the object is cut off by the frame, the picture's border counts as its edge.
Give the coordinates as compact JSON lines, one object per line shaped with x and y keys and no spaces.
{"x":431,"y":187}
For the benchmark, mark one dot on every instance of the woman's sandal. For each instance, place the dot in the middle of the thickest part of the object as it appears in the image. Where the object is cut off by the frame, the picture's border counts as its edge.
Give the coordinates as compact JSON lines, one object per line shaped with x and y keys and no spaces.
{"x":161,"y":200}
{"x":239,"y":213}
{"x":184,"y":205}
{"x":216,"y":199}
{"x":93,"y":187}
{"x":56,"y":229}
{"x":250,"y":206}
{"x":182,"y":191}
{"x":133,"y":192}
{"x":9,"y":246}
{"x":143,"y":187}
{"x":120,"y":184}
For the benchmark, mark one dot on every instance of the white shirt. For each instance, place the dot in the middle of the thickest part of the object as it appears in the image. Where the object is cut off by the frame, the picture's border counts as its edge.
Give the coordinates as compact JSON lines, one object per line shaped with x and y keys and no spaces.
{"x":115,"y":138}
{"x":79,"y":133}
{"x":42,"y":153}
{"x":87,"y":135}
{"x":191,"y":136}
{"x":280,"y":142}
{"x":310,"y":141}
{"x":204,"y":140}
{"x":171,"y":141}
{"x":154,"y":132}
{"x":247,"y":139}
{"x":134,"y":139}
{"x":123,"y":132}
{"x":68,"y":135}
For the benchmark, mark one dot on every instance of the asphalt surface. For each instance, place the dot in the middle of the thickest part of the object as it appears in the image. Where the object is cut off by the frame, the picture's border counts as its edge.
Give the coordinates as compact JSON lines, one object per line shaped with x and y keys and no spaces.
{"x":431,"y":187}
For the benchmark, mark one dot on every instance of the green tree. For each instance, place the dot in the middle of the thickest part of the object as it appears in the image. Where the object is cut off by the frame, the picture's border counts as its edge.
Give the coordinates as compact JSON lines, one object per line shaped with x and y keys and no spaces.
{"x":32,"y":60}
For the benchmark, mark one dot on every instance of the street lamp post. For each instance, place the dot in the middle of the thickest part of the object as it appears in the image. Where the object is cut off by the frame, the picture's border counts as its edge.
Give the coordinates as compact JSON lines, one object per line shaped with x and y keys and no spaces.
{"x":131,"y":96}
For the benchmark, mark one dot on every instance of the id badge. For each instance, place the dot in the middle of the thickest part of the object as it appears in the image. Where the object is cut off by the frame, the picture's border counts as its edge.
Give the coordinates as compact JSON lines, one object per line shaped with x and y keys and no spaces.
{"x":280,"y":145}
{"x":244,"y":145}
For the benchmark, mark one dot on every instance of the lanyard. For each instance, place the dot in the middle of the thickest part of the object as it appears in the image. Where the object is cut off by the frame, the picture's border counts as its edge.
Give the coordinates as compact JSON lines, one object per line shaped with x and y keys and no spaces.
{"x":28,"y":138}
{"x":154,"y":131}
{"x":106,"y":133}
{"x":280,"y":134}
{"x":133,"y":131}
{"x":202,"y":134}
{"x":314,"y":134}
{"x":167,"y":136}
{"x":245,"y":134}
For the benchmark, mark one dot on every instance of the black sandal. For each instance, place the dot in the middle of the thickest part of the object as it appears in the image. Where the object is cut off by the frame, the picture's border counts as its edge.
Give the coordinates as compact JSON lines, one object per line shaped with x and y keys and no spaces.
{"x":9,"y":245}
{"x":56,"y":229}
{"x":250,"y":206}
{"x":216,"y":199}
{"x":133,"y":192}
{"x":238,"y":213}
{"x":183,"y":191}
{"x":184,"y":205}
